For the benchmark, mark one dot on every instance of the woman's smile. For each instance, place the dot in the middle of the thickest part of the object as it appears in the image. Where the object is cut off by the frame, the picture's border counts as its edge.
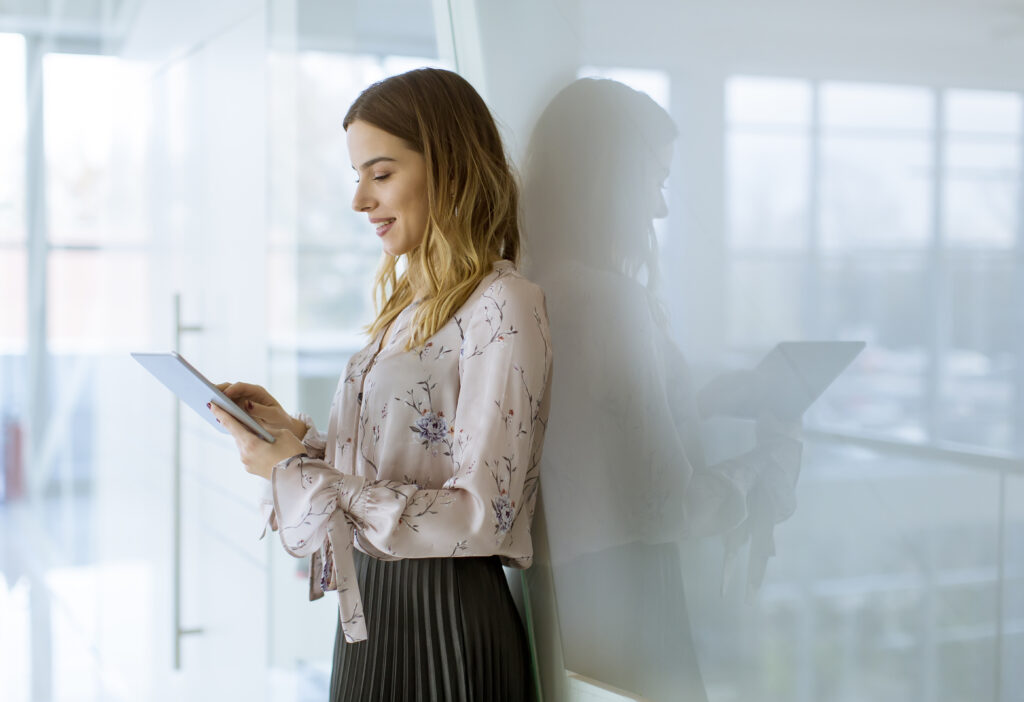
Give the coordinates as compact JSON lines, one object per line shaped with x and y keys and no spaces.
{"x":383,"y":225}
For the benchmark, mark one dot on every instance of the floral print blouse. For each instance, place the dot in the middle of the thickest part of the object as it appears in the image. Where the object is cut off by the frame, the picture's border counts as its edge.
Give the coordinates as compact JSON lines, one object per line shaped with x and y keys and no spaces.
{"x":430,"y":453}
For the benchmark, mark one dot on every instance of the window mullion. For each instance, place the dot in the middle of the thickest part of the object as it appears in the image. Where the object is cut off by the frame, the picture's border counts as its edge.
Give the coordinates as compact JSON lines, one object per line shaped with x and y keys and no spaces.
{"x":1018,"y":288}
{"x":937,"y":278}
{"x":812,"y":293}
{"x":37,"y":395}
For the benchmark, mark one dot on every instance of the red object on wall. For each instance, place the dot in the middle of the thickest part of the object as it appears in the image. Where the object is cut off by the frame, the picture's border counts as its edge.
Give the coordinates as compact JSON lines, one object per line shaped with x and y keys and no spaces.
{"x":14,"y":475}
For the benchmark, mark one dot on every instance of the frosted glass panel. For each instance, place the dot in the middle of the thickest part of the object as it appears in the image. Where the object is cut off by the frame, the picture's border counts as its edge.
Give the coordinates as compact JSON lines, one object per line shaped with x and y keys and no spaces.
{"x":794,"y":187}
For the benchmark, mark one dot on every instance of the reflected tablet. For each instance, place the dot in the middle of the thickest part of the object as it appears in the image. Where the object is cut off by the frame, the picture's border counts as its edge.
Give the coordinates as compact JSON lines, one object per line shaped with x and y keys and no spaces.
{"x":196,"y":391}
{"x":795,"y":373}
{"x":785,"y":383}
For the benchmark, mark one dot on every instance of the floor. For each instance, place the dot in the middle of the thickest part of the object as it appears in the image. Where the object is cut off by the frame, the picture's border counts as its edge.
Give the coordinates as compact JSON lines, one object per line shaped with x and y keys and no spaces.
{"x":84,"y":608}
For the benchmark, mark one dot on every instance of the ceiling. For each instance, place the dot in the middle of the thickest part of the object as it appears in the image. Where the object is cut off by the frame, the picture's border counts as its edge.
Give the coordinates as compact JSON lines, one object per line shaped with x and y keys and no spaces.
{"x":331,"y":25}
{"x":373,"y":25}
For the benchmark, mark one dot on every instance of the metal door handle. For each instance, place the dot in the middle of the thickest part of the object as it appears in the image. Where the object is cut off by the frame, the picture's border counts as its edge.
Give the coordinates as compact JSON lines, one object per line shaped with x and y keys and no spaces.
{"x":179,"y":631}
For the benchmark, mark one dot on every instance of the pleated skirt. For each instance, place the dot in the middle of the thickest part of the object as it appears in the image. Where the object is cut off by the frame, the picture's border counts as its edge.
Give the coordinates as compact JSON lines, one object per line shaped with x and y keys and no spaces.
{"x":439,"y":630}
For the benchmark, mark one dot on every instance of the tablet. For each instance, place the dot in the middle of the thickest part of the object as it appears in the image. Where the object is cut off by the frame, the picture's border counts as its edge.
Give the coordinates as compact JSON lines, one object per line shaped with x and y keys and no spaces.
{"x":795,"y":373}
{"x":786,"y":382}
{"x":196,"y":391}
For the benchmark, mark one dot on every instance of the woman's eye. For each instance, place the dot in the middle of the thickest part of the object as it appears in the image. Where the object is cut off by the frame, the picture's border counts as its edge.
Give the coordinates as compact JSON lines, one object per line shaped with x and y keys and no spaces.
{"x":383,"y":176}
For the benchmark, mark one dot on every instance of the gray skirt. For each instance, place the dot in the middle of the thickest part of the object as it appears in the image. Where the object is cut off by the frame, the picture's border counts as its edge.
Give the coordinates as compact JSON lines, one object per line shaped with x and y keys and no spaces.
{"x":439,"y":630}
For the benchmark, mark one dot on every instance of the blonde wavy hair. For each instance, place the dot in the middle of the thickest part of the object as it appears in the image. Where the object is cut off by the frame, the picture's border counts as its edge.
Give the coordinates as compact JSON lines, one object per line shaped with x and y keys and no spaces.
{"x":472,"y":195}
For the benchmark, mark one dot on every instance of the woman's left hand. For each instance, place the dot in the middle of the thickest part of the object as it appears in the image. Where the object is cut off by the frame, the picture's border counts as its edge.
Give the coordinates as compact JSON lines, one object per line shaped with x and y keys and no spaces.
{"x":259,"y":456}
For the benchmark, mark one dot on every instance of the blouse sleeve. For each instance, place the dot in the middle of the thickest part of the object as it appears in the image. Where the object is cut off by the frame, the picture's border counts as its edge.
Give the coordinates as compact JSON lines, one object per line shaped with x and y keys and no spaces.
{"x":314,"y":441}
{"x":315,"y":444}
{"x":504,"y":367}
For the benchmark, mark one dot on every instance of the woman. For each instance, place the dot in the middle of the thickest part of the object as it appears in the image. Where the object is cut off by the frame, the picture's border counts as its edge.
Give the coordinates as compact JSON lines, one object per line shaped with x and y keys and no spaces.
{"x":429,"y":467}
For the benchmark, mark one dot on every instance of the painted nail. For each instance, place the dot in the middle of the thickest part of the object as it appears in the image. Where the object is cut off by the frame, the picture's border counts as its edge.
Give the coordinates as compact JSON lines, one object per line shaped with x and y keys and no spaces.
{"x":250,"y":404}
{"x":209,"y":405}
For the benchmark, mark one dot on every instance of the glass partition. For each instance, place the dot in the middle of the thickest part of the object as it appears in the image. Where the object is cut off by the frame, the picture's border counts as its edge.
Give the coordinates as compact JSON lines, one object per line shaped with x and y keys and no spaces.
{"x":321,"y":255}
{"x":704,"y":181}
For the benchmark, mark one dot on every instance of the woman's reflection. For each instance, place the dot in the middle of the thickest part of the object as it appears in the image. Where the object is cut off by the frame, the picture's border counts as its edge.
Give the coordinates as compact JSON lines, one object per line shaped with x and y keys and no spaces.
{"x":624,"y":476}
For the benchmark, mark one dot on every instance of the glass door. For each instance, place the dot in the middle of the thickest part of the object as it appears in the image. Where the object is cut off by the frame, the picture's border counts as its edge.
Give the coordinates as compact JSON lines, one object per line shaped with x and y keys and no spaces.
{"x":321,"y":256}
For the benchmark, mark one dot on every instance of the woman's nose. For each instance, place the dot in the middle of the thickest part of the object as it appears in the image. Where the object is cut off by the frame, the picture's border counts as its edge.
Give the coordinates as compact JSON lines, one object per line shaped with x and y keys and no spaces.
{"x":360,"y":201}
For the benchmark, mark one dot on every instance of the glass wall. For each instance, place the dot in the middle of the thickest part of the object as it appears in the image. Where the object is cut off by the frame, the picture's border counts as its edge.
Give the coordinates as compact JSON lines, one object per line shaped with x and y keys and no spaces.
{"x":745,"y":177}
{"x":171,"y":178}
{"x":320,"y":258}
{"x":13,"y":261}
{"x":76,"y":281}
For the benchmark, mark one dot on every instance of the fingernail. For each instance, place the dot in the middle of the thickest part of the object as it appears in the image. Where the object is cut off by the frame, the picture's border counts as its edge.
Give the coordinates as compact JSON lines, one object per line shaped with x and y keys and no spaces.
{"x":250,"y":404}
{"x":209,"y":405}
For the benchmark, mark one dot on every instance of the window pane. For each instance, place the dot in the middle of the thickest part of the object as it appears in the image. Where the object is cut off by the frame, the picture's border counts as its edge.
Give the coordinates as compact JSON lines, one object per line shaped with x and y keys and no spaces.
{"x":875,"y":192}
{"x":13,"y":377}
{"x":982,"y":193}
{"x":983,"y":112}
{"x":313,"y":227}
{"x":768,"y":101}
{"x":12,"y":137}
{"x":981,"y":360}
{"x":13,"y":289}
{"x":764,"y":301}
{"x":323,"y":296}
{"x":768,"y":186}
{"x":98,"y":300}
{"x":876,"y":106}
{"x":320,"y":88}
{"x":89,"y":201}
{"x":982,"y":178}
{"x":878,"y":569}
{"x":881,"y":300}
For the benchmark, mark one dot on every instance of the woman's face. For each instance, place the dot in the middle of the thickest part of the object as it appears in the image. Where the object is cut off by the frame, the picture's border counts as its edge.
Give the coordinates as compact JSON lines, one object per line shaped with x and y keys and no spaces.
{"x":391,"y":186}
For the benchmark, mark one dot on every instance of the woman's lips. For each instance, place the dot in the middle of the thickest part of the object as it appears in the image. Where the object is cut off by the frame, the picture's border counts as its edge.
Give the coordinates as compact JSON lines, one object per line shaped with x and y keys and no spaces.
{"x":383,"y":227}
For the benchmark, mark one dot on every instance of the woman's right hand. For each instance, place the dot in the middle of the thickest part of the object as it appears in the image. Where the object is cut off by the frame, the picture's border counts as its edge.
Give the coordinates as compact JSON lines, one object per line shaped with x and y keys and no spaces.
{"x":261,"y":406}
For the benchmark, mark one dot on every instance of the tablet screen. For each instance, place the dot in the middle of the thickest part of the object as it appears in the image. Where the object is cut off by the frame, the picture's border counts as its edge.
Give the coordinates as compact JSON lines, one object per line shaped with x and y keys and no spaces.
{"x":181,"y":378}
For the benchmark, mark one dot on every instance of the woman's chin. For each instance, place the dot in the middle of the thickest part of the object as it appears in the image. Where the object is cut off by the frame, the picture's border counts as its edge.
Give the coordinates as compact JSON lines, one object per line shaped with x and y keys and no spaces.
{"x":395,"y":250}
